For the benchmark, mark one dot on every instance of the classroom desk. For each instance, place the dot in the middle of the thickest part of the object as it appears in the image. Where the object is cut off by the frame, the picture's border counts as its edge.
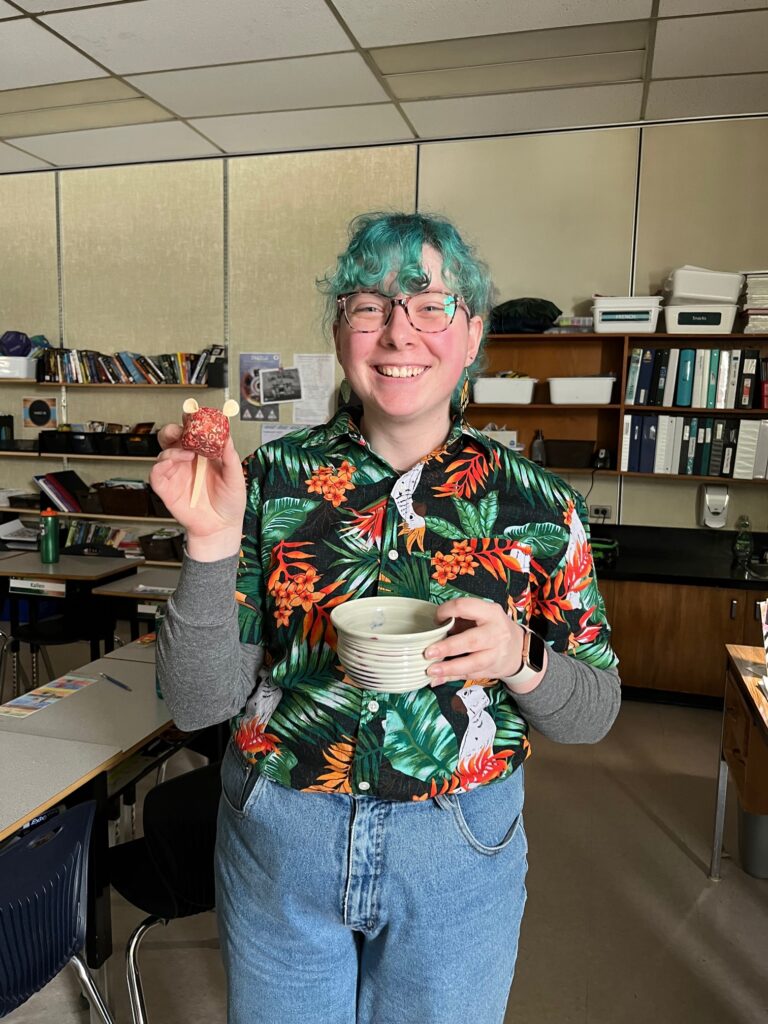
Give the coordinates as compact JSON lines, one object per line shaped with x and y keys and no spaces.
{"x":743,"y":741}
{"x":130,"y":591}
{"x":38,"y":773}
{"x":133,"y":652}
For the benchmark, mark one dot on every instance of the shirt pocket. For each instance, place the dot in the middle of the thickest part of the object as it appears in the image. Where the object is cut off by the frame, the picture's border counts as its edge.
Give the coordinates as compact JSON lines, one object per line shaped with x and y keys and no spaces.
{"x":492,"y":568}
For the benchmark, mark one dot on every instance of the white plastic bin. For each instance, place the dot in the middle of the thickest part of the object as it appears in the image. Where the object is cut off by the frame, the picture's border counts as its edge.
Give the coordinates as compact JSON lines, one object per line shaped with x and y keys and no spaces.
{"x":699,"y":319}
{"x":580,"y":390}
{"x":503,"y":390}
{"x":18,"y":367}
{"x":622,"y":314}
{"x":695,"y":285}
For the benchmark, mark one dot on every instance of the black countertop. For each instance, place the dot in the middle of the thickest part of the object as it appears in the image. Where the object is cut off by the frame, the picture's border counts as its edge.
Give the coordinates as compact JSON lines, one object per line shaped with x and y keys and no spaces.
{"x":667,"y":555}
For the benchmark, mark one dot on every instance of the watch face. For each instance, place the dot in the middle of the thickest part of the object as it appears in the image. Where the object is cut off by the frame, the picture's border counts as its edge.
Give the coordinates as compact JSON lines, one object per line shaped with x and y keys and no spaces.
{"x":536,"y":652}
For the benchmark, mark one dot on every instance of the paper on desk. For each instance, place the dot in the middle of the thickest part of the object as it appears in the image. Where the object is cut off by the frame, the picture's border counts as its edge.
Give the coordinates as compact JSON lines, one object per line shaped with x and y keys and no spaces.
{"x":27,"y":703}
{"x":16,"y":534}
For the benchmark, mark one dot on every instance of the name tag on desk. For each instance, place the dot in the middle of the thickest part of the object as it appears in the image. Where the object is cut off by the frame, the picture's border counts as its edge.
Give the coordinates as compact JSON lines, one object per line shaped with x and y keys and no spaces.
{"x":47,"y":588}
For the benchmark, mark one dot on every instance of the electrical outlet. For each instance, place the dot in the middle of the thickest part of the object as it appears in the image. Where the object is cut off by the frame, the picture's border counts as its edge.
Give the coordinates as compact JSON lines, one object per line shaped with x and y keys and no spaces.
{"x":601,"y":512}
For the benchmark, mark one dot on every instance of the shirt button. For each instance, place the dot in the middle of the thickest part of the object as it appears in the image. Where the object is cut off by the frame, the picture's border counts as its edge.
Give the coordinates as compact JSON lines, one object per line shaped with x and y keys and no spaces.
{"x":363,"y":785}
{"x":373,"y":706}
{"x":393,"y":555}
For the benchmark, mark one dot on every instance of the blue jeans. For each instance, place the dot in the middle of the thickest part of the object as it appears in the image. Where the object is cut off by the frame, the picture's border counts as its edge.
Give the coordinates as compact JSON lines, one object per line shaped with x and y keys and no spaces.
{"x":351,"y":910}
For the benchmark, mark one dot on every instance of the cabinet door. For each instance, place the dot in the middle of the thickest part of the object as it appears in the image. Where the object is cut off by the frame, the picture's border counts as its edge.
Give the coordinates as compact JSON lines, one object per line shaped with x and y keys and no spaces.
{"x":672,"y":637}
{"x":753,"y":633}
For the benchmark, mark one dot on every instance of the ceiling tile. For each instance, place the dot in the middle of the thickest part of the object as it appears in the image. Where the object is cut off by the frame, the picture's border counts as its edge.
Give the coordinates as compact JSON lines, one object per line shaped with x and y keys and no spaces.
{"x":119,"y":145}
{"x":11,"y":160}
{"x":703,"y":97}
{"x":306,"y":129}
{"x":161,"y":34}
{"x":403,"y":21}
{"x":525,"y":111}
{"x":6,"y":11}
{"x":66,"y":94}
{"x":512,"y":46}
{"x":38,"y":6}
{"x":672,"y":8}
{"x":32,"y":56}
{"x":329,"y":81}
{"x":532,"y":74}
{"x":715,"y":45}
{"x":86,"y":115}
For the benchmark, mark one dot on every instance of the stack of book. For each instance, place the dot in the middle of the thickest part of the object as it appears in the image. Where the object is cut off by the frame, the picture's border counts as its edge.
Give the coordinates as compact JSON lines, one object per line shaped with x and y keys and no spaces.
{"x":703,"y":378}
{"x":756,"y":302}
{"x":85,"y":366}
{"x":64,"y":490}
{"x":695,"y":446}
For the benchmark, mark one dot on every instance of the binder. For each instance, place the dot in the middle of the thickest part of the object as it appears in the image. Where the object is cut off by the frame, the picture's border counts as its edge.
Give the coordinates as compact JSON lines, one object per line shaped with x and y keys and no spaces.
{"x":722,"y":378}
{"x":648,"y":442}
{"x":632,"y":374}
{"x":684,"y":391}
{"x":760,"y":471}
{"x":716,"y":451}
{"x":746,"y":448}
{"x":693,"y":438}
{"x":634,"y":443}
{"x":685,"y":438}
{"x":703,"y":447}
{"x":733,"y":379}
{"x":729,"y":446}
{"x":644,"y":377}
{"x":662,"y":444}
{"x":626,"y":439}
{"x":659,"y":376}
{"x":670,"y":383}
{"x":714,"y":364}
{"x":700,"y":375}
{"x":746,"y":387}
{"x":674,"y":455}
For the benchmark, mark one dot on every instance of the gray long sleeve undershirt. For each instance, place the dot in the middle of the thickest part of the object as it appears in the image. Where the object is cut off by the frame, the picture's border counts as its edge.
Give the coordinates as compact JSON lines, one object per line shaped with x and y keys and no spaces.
{"x":207,"y":675}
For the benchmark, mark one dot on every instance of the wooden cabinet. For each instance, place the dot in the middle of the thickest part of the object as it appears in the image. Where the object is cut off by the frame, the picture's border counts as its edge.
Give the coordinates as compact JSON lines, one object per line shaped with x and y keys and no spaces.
{"x":745,"y":747}
{"x":671,"y":637}
{"x":753,"y":632}
{"x":579,"y":355}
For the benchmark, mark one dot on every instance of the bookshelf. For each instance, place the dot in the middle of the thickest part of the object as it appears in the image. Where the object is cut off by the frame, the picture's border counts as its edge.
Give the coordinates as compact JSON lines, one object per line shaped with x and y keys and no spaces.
{"x":564,"y":355}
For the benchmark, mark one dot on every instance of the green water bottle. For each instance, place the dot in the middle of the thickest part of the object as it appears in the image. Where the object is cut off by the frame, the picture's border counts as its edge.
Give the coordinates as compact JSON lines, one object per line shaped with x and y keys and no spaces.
{"x":742,"y":545}
{"x":49,"y":536}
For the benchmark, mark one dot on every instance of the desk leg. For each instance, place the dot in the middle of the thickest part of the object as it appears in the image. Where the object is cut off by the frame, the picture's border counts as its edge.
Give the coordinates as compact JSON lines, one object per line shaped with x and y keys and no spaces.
{"x":720,"y":800}
{"x":98,"y":933}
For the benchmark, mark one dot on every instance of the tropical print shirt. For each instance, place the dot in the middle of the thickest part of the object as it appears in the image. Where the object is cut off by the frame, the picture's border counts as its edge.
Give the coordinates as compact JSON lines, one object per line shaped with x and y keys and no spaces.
{"x":327,"y":521}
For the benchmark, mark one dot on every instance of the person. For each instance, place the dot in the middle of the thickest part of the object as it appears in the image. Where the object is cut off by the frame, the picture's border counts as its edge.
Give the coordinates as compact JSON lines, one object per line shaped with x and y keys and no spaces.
{"x":371,"y":852}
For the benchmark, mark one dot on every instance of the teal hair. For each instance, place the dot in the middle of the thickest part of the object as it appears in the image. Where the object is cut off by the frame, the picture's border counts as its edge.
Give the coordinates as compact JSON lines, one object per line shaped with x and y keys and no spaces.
{"x":383,"y":244}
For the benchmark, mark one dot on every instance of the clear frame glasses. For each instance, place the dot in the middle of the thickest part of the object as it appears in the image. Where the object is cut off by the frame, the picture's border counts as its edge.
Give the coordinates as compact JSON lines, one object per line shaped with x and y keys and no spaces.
{"x":428,"y":312}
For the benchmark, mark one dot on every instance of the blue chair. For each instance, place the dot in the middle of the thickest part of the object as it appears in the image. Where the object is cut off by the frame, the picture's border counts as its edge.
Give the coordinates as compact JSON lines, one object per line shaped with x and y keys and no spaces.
{"x":43,"y":883}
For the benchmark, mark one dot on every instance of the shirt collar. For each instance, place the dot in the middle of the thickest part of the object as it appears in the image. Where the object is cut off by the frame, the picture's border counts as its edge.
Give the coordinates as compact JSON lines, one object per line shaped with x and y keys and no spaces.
{"x":346,"y":423}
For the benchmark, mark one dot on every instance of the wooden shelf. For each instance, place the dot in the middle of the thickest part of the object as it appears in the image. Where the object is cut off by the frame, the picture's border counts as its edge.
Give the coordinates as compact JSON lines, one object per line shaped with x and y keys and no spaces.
{"x":30,"y":382}
{"x":98,"y":516}
{"x":534,"y":406}
{"x":70,"y":455}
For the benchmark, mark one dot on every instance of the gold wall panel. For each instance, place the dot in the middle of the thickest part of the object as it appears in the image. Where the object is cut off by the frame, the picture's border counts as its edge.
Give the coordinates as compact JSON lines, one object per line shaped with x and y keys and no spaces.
{"x":703,"y":198}
{"x":28,"y":280}
{"x":288,"y":221}
{"x":551,"y":214}
{"x":142,"y":254}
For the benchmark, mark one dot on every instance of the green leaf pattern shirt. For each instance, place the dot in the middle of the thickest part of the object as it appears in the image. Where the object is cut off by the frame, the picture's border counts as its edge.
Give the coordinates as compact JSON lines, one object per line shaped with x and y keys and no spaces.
{"x":328,"y":521}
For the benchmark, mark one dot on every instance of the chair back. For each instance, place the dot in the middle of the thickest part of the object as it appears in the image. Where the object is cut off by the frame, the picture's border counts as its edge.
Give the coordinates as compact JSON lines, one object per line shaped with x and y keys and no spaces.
{"x":43,"y":881}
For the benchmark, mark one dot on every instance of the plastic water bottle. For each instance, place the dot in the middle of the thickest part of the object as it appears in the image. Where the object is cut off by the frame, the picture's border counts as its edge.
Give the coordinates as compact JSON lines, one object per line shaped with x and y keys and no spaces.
{"x":49,"y":536}
{"x":742,"y":545}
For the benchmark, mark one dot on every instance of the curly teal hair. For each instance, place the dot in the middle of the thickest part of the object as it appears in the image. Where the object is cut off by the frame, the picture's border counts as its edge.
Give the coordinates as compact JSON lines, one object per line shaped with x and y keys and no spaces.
{"x":381,"y":244}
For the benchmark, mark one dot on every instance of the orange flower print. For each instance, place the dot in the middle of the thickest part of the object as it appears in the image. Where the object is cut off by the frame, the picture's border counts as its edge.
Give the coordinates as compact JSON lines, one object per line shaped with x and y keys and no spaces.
{"x":339,"y":758}
{"x":368,"y":523}
{"x":332,"y":483}
{"x":253,"y":740}
{"x":467,"y":475}
{"x":459,"y":562}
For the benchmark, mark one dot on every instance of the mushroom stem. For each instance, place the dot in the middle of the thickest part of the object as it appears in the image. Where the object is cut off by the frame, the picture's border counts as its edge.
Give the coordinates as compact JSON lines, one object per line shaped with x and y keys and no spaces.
{"x":201,"y":465}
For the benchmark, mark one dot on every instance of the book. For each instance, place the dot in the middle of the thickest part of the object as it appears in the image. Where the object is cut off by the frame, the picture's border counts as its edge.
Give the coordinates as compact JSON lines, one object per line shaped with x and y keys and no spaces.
{"x":729,"y":446}
{"x":659,"y":376}
{"x":670,"y":383}
{"x":648,"y":442}
{"x":58,"y":497}
{"x":697,"y":455}
{"x":692,"y":442}
{"x":746,"y":448}
{"x":763,"y":398}
{"x":644,"y":377}
{"x":634,"y":445}
{"x":714,"y":364}
{"x":760,"y":471}
{"x":733,"y":379}
{"x":716,"y":451}
{"x":626,"y":437}
{"x":746,"y":386}
{"x":722,"y":378}
{"x":684,"y":391}
{"x":632,"y":374}
{"x":700,"y":372}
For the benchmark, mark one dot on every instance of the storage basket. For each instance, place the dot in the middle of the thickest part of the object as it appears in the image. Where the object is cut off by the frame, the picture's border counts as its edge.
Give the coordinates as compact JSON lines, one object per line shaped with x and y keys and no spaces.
{"x":163,"y":545}
{"x":567,"y":454}
{"x":109,"y":444}
{"x":620,"y":314}
{"x":54,"y":441}
{"x":503,"y":390}
{"x":141,"y":444}
{"x":124,"y":501}
{"x":82,"y":444}
{"x":697,"y":285}
{"x":580,"y":390}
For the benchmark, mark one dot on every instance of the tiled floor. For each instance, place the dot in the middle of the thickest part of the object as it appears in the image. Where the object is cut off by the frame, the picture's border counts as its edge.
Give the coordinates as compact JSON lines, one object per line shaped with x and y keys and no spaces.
{"x":622,"y":924}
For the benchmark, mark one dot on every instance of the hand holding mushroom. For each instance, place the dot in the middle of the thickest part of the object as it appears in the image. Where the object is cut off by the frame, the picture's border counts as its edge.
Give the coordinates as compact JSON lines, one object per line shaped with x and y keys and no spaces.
{"x":205,"y":431}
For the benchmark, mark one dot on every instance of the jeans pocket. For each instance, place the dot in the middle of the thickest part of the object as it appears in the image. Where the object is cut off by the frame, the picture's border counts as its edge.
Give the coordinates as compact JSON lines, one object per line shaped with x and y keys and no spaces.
{"x":488,"y":817}
{"x":240,"y":782}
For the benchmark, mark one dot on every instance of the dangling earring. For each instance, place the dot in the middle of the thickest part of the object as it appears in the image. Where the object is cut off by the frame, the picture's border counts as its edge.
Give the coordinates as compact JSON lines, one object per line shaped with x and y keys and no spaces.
{"x":464,"y":394}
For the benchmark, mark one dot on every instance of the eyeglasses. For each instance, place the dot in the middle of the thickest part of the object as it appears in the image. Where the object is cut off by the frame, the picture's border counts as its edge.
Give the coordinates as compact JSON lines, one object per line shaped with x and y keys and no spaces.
{"x":428,"y":312}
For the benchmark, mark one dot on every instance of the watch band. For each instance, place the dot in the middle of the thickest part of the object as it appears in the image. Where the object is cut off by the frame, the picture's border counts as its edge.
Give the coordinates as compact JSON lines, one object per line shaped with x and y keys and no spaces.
{"x":528,"y":667}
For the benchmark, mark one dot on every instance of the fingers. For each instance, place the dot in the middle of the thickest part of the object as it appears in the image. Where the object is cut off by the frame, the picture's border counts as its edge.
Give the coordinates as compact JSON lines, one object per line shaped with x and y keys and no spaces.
{"x":170,"y":434}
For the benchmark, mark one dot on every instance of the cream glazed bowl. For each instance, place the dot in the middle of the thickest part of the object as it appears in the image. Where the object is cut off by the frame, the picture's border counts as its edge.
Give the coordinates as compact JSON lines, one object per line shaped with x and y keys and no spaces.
{"x":381,"y":641}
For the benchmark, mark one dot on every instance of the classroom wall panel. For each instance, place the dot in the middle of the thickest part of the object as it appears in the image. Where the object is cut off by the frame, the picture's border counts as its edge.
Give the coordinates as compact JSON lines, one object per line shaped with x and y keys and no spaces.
{"x":288,"y":220}
{"x":703,"y":199}
{"x":552,"y":214}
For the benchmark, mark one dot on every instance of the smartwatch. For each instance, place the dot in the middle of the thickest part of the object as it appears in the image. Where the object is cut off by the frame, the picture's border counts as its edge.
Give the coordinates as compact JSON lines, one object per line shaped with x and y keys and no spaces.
{"x":532,"y":658}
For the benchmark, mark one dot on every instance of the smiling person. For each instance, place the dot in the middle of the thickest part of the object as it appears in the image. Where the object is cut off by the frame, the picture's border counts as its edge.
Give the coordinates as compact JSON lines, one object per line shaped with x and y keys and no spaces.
{"x":371,"y":851}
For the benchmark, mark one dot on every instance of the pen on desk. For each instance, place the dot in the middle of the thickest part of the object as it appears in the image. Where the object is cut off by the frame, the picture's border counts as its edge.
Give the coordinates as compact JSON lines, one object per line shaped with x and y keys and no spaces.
{"x":116,"y":682}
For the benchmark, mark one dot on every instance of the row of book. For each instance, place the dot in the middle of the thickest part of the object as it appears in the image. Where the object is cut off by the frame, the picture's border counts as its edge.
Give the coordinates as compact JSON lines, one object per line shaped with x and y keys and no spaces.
{"x":695,"y":446}
{"x":64,"y":489}
{"x":86,"y":533}
{"x":85,"y":366}
{"x":703,"y":378}
{"x":756,"y":303}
